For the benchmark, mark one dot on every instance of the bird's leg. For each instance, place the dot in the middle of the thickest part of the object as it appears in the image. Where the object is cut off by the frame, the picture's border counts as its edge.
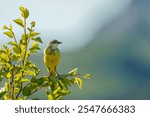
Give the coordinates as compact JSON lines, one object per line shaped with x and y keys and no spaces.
{"x":56,"y":72}
{"x":48,"y":71}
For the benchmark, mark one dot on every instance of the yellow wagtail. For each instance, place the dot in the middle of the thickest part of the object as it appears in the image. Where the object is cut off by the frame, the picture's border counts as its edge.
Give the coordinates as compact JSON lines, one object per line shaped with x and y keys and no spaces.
{"x":52,"y":56}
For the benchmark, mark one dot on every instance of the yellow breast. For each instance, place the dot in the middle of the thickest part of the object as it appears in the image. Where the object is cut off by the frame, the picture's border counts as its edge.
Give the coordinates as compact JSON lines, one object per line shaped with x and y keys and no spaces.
{"x":51,"y":58}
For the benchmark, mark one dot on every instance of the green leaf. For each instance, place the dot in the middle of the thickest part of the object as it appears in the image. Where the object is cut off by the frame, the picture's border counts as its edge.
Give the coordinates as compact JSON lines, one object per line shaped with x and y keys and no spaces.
{"x":61,"y":84}
{"x":13,"y":43}
{"x":4,"y":57}
{"x":26,"y":91}
{"x":32,"y":69}
{"x":46,"y":78}
{"x":56,"y":90}
{"x":40,"y":81}
{"x":8,"y":75}
{"x":33,"y":23}
{"x":33,"y":34}
{"x":34,"y":48}
{"x":73,"y":72}
{"x":21,"y":8}
{"x":7,"y":86}
{"x":33,"y":79}
{"x":16,"y":50}
{"x":10,"y":27}
{"x":29,"y":72}
{"x":3,"y":74}
{"x":64,"y":83}
{"x":29,"y":64}
{"x":29,"y":29}
{"x":24,"y":37}
{"x":26,"y":13}
{"x":38,"y":39}
{"x":73,"y":81}
{"x":7,"y":97}
{"x":9,"y":34}
{"x":63,"y":92}
{"x":79,"y":82}
{"x":24,"y":80}
{"x":16,"y":90}
{"x":2,"y":94}
{"x":19,"y":22}
{"x":54,"y":79}
{"x":50,"y":96}
{"x":4,"y":46}
{"x":5,"y":27}
{"x":88,"y":76}
{"x":15,"y":57}
{"x":21,"y":42}
{"x":47,"y":84}
{"x":2,"y":51}
{"x":33,"y":86}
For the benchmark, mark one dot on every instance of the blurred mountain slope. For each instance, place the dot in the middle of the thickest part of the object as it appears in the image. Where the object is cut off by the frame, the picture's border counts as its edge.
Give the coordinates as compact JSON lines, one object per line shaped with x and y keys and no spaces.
{"x":118,"y":58}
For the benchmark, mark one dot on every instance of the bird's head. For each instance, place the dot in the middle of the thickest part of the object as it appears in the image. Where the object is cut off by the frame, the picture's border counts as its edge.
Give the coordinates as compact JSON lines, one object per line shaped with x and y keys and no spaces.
{"x":54,"y":44}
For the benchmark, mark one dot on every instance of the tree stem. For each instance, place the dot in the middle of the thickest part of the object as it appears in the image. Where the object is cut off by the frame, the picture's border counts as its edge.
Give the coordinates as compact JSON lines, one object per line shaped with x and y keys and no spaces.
{"x":26,"y":43}
{"x":24,"y":57}
{"x":14,"y":37}
{"x":13,"y":85}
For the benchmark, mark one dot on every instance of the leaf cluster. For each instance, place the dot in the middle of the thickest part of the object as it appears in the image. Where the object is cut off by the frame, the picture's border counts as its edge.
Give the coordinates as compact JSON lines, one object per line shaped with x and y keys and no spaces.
{"x":59,"y":85}
{"x":20,"y":74}
{"x":15,"y":66}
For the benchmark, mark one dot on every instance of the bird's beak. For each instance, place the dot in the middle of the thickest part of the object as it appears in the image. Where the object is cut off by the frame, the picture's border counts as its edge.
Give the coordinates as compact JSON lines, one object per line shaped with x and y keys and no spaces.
{"x":59,"y":42}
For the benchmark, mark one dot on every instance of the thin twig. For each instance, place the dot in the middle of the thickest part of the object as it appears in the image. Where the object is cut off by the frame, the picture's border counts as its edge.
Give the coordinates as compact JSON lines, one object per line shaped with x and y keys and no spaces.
{"x":24,"y":57}
{"x":13,"y":85}
{"x":14,"y":36}
{"x":25,"y":42}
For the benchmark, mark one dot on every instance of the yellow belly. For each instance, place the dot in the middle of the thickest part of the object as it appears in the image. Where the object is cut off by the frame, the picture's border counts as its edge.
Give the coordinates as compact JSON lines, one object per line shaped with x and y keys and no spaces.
{"x":51,"y":60}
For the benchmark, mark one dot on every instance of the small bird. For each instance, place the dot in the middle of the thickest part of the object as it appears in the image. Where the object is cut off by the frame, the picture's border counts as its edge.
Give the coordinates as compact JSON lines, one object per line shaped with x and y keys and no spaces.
{"x":52,"y":57}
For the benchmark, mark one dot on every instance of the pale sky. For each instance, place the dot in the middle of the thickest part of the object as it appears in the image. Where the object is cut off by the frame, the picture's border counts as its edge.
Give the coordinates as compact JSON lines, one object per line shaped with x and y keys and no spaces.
{"x":74,"y":22}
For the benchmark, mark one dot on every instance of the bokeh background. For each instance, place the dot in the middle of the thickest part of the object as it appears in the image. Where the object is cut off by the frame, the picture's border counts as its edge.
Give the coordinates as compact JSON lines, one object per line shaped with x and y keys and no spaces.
{"x":110,"y":39}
